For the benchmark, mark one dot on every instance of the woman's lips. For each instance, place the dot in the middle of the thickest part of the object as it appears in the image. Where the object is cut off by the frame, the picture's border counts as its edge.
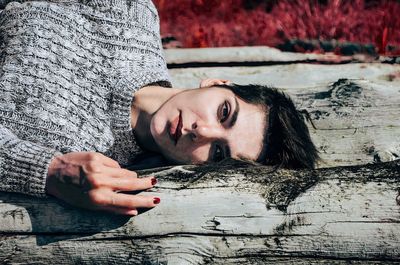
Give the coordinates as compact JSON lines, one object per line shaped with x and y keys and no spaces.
{"x":175,"y":130}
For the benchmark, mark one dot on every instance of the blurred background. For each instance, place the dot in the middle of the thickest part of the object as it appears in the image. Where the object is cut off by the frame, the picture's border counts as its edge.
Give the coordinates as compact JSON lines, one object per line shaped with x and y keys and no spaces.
{"x":342,"y":27}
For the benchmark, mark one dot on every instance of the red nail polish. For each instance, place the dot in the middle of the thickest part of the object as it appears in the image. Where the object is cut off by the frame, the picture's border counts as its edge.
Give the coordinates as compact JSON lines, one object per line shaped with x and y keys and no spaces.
{"x":153,"y":181}
{"x":156,"y":200}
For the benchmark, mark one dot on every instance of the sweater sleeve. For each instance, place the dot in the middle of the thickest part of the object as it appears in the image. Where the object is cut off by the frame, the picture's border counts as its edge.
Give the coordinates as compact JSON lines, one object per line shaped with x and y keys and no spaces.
{"x":23,"y":164}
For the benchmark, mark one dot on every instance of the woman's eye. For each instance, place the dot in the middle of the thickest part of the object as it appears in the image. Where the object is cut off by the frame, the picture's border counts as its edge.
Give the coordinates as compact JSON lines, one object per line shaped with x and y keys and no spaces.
{"x":224,"y":112}
{"x":218,"y":154}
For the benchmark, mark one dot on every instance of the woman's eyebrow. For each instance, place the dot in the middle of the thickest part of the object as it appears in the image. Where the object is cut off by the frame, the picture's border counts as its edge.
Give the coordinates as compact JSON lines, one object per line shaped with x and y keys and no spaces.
{"x":232,"y":122}
{"x":235,"y":114}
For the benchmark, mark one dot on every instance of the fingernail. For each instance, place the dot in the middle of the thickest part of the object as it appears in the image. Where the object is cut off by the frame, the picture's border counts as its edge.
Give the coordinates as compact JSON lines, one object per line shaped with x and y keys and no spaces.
{"x":156,"y":200}
{"x":153,"y":181}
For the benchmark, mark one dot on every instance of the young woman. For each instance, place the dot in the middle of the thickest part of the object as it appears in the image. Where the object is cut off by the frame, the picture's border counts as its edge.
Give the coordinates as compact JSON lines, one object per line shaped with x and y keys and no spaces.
{"x":85,"y":90}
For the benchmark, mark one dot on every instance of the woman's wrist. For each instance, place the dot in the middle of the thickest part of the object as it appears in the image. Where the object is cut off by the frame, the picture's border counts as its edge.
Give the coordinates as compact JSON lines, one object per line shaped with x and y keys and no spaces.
{"x":54,"y":166}
{"x":53,"y":170}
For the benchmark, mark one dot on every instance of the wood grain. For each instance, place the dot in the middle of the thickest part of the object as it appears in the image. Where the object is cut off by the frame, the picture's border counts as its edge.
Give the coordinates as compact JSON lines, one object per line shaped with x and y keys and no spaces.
{"x":221,"y":215}
{"x":237,"y":213}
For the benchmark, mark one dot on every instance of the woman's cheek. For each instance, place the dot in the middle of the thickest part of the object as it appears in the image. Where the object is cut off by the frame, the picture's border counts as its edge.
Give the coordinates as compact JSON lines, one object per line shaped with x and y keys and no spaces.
{"x":198,"y":154}
{"x":157,"y":125}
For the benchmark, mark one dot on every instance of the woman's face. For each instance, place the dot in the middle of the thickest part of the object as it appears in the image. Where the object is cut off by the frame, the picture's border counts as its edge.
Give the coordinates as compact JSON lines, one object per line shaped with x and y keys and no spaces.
{"x":208,"y":124}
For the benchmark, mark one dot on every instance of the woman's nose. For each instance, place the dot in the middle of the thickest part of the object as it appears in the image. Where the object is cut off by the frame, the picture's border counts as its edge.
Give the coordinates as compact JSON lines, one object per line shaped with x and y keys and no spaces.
{"x":206,"y":132}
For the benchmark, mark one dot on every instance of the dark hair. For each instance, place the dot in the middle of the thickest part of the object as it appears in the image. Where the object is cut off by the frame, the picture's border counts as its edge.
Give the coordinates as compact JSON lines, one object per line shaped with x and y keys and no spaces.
{"x":287,"y":141}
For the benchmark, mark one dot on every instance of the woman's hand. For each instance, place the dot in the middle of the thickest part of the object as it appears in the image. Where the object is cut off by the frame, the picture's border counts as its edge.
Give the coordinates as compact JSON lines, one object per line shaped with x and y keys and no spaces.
{"x":213,"y":82}
{"x":92,"y":181}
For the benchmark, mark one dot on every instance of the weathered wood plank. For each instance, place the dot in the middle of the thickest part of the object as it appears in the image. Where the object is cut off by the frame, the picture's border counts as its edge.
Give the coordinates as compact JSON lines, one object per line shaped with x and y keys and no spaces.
{"x":357,"y":120}
{"x":251,"y":215}
{"x":297,"y":76}
{"x":185,"y":249}
{"x":251,"y":54}
{"x":221,"y":216}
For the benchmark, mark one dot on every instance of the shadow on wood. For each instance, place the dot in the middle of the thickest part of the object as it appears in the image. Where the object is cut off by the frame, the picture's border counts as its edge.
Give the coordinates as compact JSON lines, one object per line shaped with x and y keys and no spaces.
{"x":51,"y":220}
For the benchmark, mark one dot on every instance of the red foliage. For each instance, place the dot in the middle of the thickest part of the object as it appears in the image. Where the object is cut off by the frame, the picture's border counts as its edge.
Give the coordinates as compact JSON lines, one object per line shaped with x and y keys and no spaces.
{"x":216,"y":23}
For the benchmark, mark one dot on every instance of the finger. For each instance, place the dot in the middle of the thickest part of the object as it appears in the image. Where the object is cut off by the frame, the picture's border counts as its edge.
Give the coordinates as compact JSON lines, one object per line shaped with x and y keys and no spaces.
{"x":109,"y":162}
{"x":206,"y":82}
{"x":130,"y":184}
{"x":121,"y":211}
{"x":212,"y":82}
{"x":79,"y":157}
{"x":122,"y":183}
{"x":72,"y":195}
{"x":133,"y":201}
{"x":119,"y":172}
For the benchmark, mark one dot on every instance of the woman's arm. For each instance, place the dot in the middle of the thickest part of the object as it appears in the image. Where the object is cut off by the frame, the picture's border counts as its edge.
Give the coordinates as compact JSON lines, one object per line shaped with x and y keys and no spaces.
{"x":84,"y":179}
{"x":23,"y":164}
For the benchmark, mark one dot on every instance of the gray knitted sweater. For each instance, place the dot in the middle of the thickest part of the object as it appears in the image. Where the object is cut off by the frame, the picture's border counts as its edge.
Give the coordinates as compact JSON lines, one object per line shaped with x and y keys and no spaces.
{"x":68,"y":72}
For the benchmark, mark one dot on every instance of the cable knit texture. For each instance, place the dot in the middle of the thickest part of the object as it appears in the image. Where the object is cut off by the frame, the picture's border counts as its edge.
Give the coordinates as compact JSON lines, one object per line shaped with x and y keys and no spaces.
{"x":68,"y":73}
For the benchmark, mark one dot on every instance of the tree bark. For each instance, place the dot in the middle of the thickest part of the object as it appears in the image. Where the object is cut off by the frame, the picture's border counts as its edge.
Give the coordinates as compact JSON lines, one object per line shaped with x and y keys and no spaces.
{"x":221,"y":214}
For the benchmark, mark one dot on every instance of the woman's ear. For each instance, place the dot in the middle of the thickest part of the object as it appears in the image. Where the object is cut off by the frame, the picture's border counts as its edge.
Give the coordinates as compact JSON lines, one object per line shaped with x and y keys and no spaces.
{"x":213,"y":82}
